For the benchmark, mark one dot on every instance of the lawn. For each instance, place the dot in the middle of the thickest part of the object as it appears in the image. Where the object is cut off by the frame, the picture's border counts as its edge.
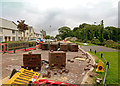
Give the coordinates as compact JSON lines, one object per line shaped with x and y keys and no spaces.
{"x":112,"y":74}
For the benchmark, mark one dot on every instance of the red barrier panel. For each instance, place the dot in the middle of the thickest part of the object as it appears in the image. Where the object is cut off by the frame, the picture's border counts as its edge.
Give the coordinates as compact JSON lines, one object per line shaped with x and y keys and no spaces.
{"x":40,"y":44}
{"x":50,"y":83}
{"x":3,"y":47}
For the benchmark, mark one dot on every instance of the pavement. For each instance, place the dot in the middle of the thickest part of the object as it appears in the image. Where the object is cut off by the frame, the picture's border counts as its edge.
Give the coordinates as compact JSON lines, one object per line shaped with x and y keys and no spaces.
{"x":76,"y":68}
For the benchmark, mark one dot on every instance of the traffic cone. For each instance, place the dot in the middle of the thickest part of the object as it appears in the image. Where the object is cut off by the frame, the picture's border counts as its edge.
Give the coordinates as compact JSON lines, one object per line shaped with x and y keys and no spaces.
{"x":100,"y":67}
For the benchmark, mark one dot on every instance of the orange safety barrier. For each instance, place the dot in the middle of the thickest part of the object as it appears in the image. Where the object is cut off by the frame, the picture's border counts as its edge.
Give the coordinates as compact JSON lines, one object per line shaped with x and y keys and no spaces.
{"x":45,"y":82}
{"x":3,"y":47}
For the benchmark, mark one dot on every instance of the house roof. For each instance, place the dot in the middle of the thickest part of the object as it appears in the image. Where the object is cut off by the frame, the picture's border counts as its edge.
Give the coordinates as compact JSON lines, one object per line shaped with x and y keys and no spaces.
{"x":37,"y":32}
{"x":8,"y":24}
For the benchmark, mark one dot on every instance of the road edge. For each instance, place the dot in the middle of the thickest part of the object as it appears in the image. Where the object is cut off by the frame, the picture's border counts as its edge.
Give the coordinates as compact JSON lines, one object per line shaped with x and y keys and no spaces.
{"x":91,"y":69}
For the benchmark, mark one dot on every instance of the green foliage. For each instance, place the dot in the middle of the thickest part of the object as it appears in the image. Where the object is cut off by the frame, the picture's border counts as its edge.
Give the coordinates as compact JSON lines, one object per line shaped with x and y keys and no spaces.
{"x":65,"y":32}
{"x":97,"y":34}
{"x":112,"y":73}
{"x":95,"y":41}
{"x":58,"y":37}
{"x":47,"y":37}
{"x":112,"y":44}
{"x":52,"y":37}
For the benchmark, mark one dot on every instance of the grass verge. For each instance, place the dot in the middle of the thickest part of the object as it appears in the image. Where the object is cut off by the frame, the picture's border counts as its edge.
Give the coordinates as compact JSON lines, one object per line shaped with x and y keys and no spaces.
{"x":112,"y":74}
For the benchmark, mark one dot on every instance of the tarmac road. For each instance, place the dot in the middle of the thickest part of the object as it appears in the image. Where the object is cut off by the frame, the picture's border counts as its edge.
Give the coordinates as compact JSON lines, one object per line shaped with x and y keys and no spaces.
{"x":98,"y":48}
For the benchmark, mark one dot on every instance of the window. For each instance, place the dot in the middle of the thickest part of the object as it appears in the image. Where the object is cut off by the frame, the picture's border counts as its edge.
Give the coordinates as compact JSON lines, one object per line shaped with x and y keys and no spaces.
{"x":13,"y":38}
{"x":0,"y":39}
{"x":19,"y":32}
{"x":1,"y":30}
{"x":13,"y":31}
{"x":18,"y":38}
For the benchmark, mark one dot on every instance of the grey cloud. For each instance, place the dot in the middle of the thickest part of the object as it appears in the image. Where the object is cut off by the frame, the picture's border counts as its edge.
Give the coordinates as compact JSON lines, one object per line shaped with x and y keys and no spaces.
{"x":58,"y":17}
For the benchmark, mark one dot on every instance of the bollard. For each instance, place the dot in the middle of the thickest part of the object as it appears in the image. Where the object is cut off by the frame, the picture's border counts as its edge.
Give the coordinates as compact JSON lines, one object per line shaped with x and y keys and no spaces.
{"x":101,"y":55}
{"x":14,"y":50}
{"x":90,"y":49}
{"x":95,"y":51}
{"x":25,"y":48}
{"x":107,"y":64}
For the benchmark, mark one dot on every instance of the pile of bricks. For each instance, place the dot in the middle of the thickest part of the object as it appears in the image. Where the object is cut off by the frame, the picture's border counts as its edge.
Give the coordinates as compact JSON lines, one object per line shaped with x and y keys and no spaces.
{"x":32,"y":61}
{"x":57,"y":59}
{"x":73,"y":47}
{"x":45,"y":46}
{"x":53,"y":47}
{"x":64,"y":47}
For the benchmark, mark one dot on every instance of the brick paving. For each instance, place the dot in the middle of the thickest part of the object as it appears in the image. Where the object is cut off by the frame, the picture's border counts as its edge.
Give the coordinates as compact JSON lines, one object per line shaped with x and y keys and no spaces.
{"x":76,"y":69}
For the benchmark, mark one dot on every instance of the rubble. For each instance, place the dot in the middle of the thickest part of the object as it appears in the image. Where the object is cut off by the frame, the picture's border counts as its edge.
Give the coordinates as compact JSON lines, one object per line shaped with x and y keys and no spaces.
{"x":86,"y":68}
{"x":66,"y":71}
{"x":98,"y":80}
{"x":55,"y":73}
{"x":60,"y":71}
{"x":71,"y":60}
{"x":45,"y":62}
{"x":93,"y":74}
{"x":68,"y":60}
{"x":95,"y":65}
{"x":80,"y":59}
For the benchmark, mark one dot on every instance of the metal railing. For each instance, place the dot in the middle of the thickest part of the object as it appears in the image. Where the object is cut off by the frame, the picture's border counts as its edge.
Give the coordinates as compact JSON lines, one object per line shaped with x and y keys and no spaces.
{"x":107,"y":66}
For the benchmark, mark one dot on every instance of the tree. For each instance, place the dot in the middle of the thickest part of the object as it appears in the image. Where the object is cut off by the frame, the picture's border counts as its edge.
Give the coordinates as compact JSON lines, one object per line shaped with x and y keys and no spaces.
{"x":43,"y":33}
{"x":22,"y":27}
{"x":58,"y":37}
{"x":47,"y":37}
{"x":75,"y":28}
{"x":65,"y":32}
{"x":52,"y":37}
{"x":102,"y":23}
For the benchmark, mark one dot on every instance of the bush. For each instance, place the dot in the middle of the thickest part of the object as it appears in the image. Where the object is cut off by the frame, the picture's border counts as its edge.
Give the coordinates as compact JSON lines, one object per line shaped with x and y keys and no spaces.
{"x":96,"y":41}
{"x":88,"y":41}
{"x":112,"y":44}
{"x":84,"y":41}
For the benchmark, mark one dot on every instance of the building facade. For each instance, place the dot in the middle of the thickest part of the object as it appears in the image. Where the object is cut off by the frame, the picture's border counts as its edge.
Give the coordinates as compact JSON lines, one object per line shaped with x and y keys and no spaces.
{"x":10,"y":32}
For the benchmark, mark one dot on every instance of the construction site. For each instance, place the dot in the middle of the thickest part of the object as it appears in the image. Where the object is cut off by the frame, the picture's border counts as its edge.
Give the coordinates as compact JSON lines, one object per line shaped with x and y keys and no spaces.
{"x":58,"y":61}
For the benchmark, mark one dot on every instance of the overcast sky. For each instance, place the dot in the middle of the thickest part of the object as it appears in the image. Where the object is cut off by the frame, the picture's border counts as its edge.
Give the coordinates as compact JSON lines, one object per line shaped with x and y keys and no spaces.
{"x":41,"y":14}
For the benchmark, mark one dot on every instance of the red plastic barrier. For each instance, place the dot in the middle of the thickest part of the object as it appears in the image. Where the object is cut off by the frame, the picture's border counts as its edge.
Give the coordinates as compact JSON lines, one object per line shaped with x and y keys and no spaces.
{"x":40,"y":44}
{"x":29,"y":49}
{"x":51,"y":82}
{"x":5,"y":49}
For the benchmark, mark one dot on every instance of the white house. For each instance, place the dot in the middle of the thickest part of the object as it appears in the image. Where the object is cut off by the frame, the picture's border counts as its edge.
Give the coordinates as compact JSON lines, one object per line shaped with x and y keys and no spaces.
{"x":31,"y":34}
{"x":38,"y":35}
{"x":9,"y":31}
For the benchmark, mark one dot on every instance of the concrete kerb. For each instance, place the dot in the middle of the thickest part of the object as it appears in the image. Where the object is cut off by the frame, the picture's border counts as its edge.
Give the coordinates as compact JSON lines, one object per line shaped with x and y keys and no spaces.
{"x":91,"y":69}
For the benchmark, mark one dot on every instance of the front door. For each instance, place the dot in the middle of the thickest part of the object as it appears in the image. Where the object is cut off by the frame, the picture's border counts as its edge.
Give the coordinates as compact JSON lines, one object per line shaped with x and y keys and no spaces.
{"x":5,"y":38}
{"x":8,"y":38}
